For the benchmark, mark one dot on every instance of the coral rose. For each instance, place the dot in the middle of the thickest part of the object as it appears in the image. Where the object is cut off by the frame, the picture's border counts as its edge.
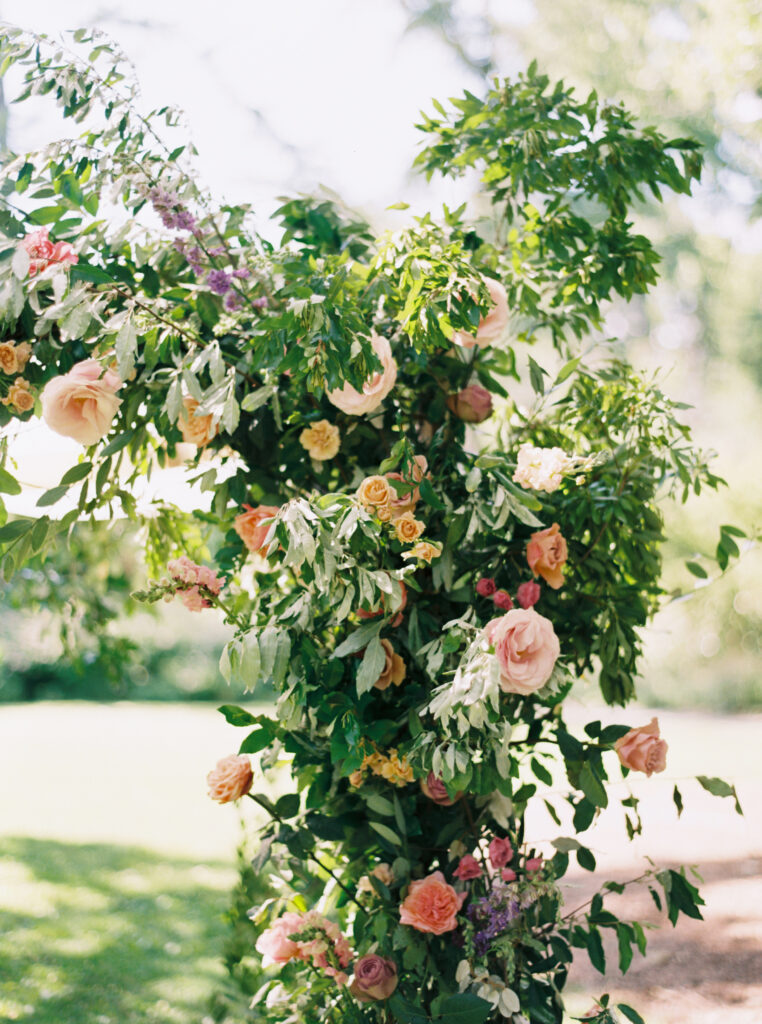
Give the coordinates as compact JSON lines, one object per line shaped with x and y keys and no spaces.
{"x":231,"y":779}
{"x":431,"y":905}
{"x":472,"y":405}
{"x":376,"y":387}
{"x":19,"y":396}
{"x":82,"y":403}
{"x":408,"y":528}
{"x":500,"y":852}
{"x":642,"y":749}
{"x":435,"y":790}
{"x":253,"y":526}
{"x":198,"y":430}
{"x":528,"y":594}
{"x":468,"y":868}
{"x":274,"y":943}
{"x":394,"y":668}
{"x":375,"y":978}
{"x":526,"y":648}
{"x":375,"y":493}
{"x":321,"y":440}
{"x":490,"y":326}
{"x":546,"y":555}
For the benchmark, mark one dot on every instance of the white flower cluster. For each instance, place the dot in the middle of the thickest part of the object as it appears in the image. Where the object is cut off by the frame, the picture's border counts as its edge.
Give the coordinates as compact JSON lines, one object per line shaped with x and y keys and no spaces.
{"x":542,"y":469}
{"x":493,"y":989}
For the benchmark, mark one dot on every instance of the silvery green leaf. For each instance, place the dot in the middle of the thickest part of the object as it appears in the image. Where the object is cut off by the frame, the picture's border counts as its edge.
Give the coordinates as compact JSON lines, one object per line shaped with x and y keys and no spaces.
{"x":347,"y":603}
{"x":192,"y":384}
{"x":257,"y":398}
{"x":230,"y":413}
{"x":20,"y":262}
{"x":565,"y":844}
{"x":174,"y":400}
{"x":371,"y":666}
{"x":75,"y":323}
{"x":126,"y":347}
{"x":359,"y":639}
{"x":473,"y":479}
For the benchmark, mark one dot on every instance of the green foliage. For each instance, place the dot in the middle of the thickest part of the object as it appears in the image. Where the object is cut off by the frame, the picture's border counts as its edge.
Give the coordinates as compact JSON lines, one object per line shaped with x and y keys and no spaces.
{"x":408,"y":744}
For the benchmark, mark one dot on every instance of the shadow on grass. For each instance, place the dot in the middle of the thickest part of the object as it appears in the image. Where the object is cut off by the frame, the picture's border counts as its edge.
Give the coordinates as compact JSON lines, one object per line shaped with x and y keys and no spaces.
{"x":98,"y":934}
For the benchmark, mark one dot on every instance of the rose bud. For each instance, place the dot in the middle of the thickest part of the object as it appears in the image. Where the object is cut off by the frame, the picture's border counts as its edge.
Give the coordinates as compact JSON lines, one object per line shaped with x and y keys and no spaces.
{"x":472,"y":405}
{"x":375,"y":978}
{"x":486,"y":587}
{"x":528,"y":594}
{"x":435,"y":790}
{"x":503,"y":600}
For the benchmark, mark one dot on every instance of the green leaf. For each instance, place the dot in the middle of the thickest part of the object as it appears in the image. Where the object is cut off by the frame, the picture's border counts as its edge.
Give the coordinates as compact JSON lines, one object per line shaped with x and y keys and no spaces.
{"x":595,"y":950}
{"x":9,"y":484}
{"x":464,"y":1008}
{"x":371,"y":666}
{"x":385,"y":832}
{"x":592,"y":787}
{"x":677,"y":800}
{"x":119,"y":442}
{"x":14,"y":529}
{"x":697,"y":570}
{"x":288,"y":805}
{"x":380,"y":804}
{"x":259,"y":738}
{"x":76,"y":473}
{"x":255,"y":399}
{"x":237,"y":716}
{"x":52,"y":496}
{"x":207,"y":309}
{"x":630,"y":1014}
{"x":624,"y":940}
{"x":718,"y":787}
{"x":429,"y":494}
{"x":405,"y":1012}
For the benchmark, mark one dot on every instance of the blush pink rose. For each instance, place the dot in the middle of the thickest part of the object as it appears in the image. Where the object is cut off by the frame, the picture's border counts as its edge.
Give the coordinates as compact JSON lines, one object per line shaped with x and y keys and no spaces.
{"x":82,"y":403}
{"x":468,"y":868}
{"x":431,"y":905}
{"x":526,"y":648}
{"x":472,"y":405}
{"x":642,"y":749}
{"x":503,"y":600}
{"x":43,"y":252}
{"x":231,"y":779}
{"x":528,"y":594}
{"x":546,"y":555}
{"x":508,"y":875}
{"x":492,"y":325}
{"x":533,"y":865}
{"x":274,"y":943}
{"x":376,"y":387}
{"x":500,"y":852}
{"x":486,"y":587}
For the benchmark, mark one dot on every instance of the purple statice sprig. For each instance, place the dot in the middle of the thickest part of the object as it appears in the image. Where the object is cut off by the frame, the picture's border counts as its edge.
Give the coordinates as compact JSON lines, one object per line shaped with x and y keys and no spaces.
{"x":491,"y":915}
{"x":173,"y":213}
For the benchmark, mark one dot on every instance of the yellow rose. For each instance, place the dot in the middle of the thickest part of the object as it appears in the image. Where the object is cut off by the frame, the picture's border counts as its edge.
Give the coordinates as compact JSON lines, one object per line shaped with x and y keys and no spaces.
{"x":9,"y":362}
{"x":408,"y":528}
{"x":19,"y":396}
{"x":321,"y":440}
{"x":426,"y":550}
{"x":196,"y":430}
{"x":375,"y":493}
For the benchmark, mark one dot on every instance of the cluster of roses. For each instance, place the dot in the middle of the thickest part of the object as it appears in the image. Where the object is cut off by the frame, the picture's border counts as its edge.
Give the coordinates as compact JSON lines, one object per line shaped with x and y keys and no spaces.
{"x":196,"y":584}
{"x":13,"y":360}
{"x":309,"y":937}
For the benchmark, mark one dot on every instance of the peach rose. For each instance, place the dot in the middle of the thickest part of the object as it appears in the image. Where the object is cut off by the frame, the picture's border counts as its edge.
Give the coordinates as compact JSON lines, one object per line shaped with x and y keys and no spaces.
{"x":9,"y":363}
{"x":253,"y":525}
{"x":546,"y":555}
{"x":82,"y":403}
{"x":376,"y":387}
{"x":375,"y":978}
{"x":382,"y":872}
{"x":19,"y":396}
{"x":23,"y":355}
{"x":197,"y":430}
{"x":424,"y":550}
{"x":408,"y":528}
{"x":490,"y":326}
{"x":642,"y":749}
{"x":526,"y":648}
{"x":375,"y":493}
{"x":394,"y":668}
{"x":274,"y":943}
{"x":431,"y":905}
{"x":321,"y":440}
{"x":472,"y":405}
{"x":231,"y":779}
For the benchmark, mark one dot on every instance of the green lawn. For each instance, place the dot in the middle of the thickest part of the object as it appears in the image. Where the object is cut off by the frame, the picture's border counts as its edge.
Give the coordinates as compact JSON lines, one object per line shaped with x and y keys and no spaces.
{"x":94,"y":934}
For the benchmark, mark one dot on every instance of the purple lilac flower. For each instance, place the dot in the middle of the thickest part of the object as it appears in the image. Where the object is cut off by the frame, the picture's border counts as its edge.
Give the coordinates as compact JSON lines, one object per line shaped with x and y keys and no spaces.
{"x":260,"y":303}
{"x":185,"y":221}
{"x":218,"y":282}
{"x":218,"y":250}
{"x":242,"y":273}
{"x":172,"y":212}
{"x":232,"y":302}
{"x":492,"y":914}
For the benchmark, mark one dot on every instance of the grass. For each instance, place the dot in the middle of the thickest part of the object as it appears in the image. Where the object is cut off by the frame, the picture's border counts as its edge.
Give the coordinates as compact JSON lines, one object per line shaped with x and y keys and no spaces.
{"x":95,"y":934}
